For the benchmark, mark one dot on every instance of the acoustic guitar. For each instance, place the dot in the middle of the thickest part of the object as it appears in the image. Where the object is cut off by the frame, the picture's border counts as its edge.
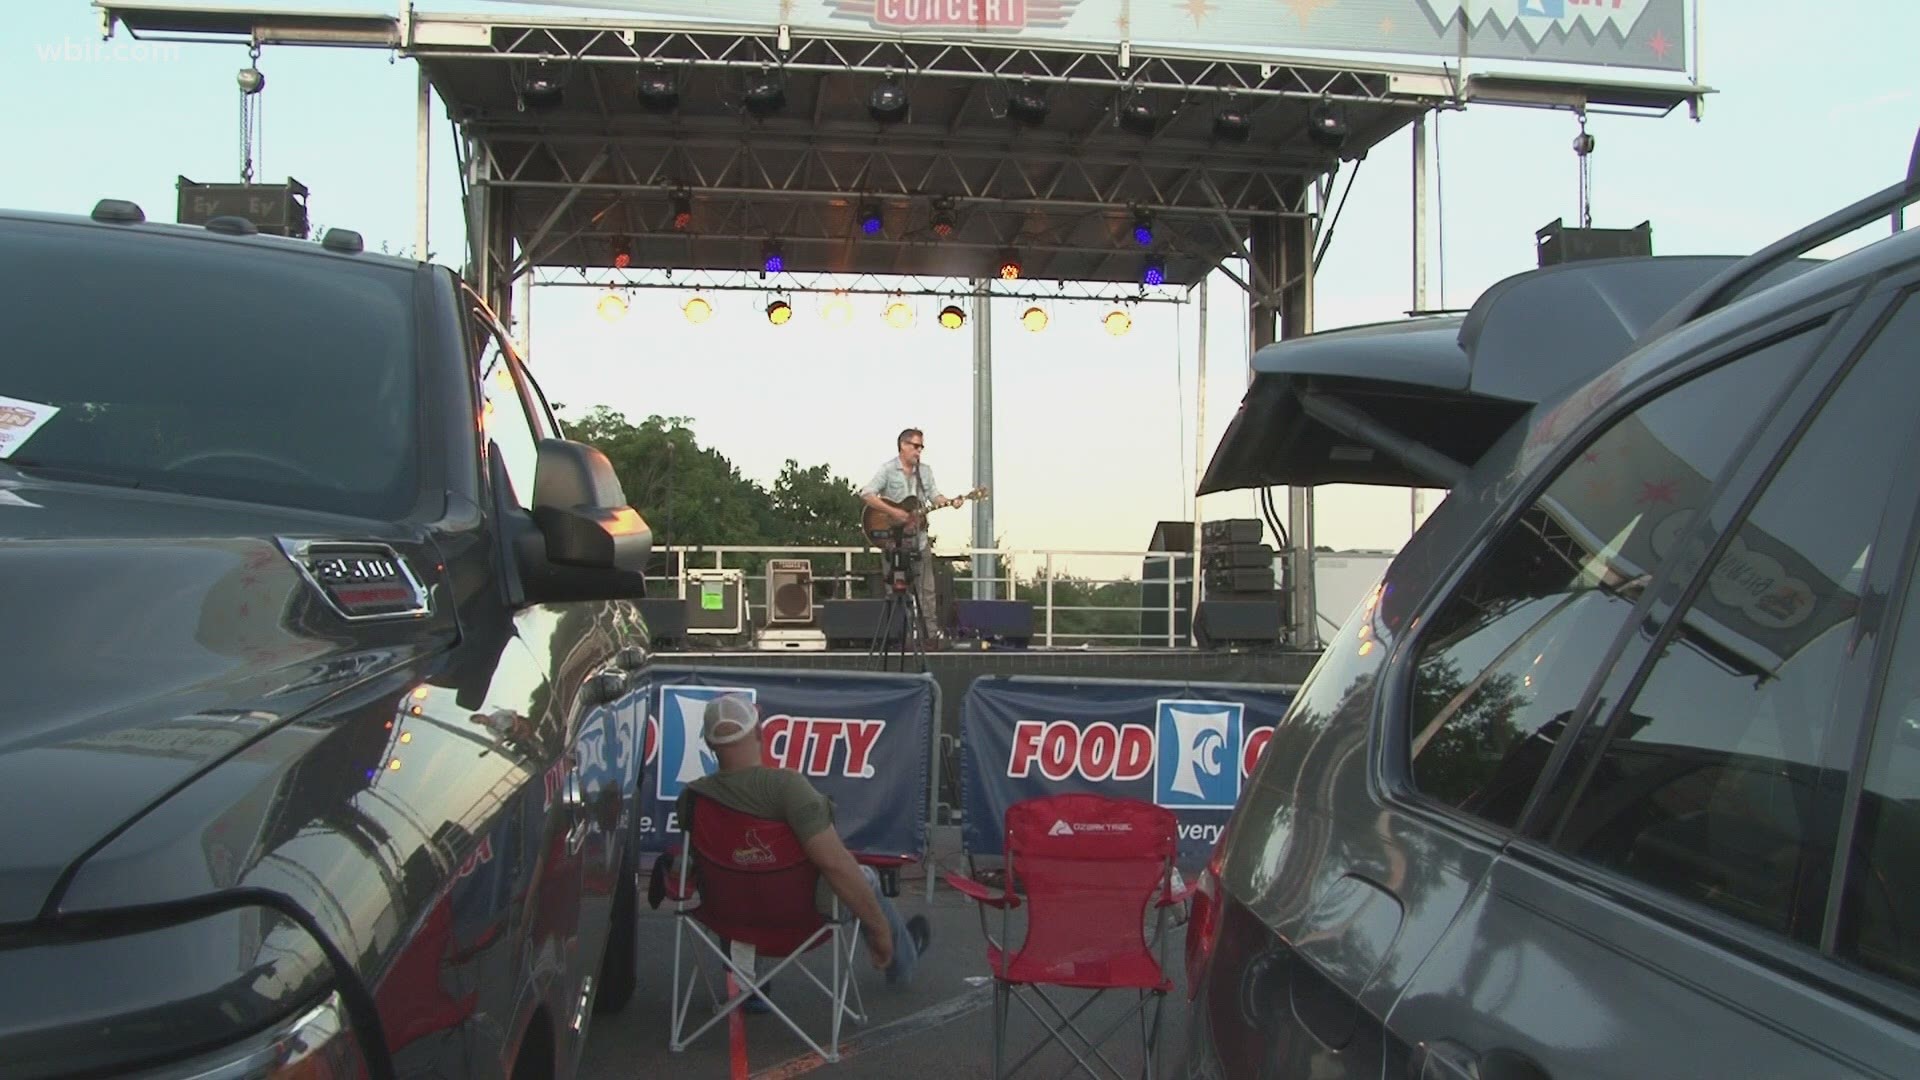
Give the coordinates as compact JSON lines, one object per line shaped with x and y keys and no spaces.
{"x":879,"y":528}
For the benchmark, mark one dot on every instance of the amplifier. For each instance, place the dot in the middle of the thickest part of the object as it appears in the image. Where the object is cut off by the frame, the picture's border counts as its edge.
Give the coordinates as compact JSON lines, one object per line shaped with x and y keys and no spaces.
{"x":1239,"y":579}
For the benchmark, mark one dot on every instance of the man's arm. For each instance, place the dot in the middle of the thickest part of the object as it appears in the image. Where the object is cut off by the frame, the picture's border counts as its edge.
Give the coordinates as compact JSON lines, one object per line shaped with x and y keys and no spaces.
{"x":843,"y":876}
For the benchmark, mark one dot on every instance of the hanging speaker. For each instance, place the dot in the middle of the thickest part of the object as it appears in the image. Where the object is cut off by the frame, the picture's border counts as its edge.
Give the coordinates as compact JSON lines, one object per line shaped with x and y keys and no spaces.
{"x":789,"y":592}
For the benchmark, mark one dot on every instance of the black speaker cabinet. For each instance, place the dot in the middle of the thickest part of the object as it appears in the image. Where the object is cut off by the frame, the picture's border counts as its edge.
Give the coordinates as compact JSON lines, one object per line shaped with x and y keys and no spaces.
{"x":1239,"y":622}
{"x":666,"y":619}
{"x":852,"y":624}
{"x":1003,"y":622}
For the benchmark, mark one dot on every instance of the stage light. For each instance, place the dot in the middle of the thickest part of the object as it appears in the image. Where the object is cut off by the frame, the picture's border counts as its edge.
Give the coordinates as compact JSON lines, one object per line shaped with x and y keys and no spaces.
{"x":1034,"y":318}
{"x":1143,"y":228}
{"x":682,"y":210}
{"x":778,"y":312}
{"x":899,"y":314}
{"x":659,"y":91}
{"x":1117,"y":322}
{"x":766,"y":94}
{"x":942,"y":217}
{"x":1155,"y":272}
{"x":1232,"y":123}
{"x":542,"y":91}
{"x":622,"y":253}
{"x":1327,"y":125}
{"x":837,"y":310}
{"x":953,"y":317}
{"x":1137,"y":116}
{"x":697,"y":310}
{"x":612,"y":307}
{"x":870,"y":221}
{"x":772,"y":260}
{"x":1009,"y":269}
{"x":887,"y":103}
{"x":1027,"y":105}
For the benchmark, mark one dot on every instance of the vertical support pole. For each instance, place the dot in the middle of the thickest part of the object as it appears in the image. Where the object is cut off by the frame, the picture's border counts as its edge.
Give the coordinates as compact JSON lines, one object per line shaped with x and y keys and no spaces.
{"x":422,"y":163}
{"x":523,"y":312}
{"x":1291,"y":244}
{"x":1199,"y":471}
{"x":984,"y":565}
{"x":1419,"y":266}
{"x":1049,"y":572}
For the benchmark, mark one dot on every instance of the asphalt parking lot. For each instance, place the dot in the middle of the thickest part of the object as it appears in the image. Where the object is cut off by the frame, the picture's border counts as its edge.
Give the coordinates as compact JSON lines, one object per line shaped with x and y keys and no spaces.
{"x":941,"y":1025}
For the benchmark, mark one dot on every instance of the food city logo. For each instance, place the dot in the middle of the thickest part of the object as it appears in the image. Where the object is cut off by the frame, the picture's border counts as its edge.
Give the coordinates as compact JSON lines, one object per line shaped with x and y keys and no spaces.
{"x":1191,"y":752}
{"x":813,"y":745}
{"x":1003,"y":16}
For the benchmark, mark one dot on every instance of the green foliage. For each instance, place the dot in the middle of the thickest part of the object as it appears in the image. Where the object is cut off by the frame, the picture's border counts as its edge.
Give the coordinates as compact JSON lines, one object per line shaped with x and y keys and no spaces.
{"x":1072,"y":626}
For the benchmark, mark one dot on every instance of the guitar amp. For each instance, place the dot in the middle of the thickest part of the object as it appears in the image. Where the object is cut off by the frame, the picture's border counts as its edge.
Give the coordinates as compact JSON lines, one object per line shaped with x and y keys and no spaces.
{"x":789,"y":592}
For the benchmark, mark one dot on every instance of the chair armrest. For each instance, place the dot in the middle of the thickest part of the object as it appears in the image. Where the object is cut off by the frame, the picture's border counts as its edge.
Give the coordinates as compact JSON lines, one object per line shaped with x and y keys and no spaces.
{"x":980,"y":892}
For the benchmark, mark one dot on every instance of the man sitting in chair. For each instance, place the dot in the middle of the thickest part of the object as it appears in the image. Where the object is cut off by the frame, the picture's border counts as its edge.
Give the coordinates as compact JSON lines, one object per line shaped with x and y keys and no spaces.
{"x":745,"y":784}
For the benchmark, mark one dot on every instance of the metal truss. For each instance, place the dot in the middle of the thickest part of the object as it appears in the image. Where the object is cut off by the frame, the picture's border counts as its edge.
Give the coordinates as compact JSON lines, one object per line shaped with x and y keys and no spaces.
{"x":849,"y":54}
{"x":824,"y":284}
{"x":771,"y":165}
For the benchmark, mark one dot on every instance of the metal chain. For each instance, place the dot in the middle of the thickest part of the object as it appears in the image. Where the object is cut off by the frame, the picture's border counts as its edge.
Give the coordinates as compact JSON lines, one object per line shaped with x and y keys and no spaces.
{"x":249,"y":119}
{"x":1583,"y":146}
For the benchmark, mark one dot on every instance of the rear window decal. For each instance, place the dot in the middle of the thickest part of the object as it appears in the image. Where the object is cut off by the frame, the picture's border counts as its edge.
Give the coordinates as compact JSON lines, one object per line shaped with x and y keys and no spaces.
{"x":19,"y":419}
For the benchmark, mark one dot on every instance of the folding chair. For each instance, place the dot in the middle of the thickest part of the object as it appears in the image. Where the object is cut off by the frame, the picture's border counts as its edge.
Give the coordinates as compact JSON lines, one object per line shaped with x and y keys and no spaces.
{"x":1088,"y":869}
{"x":750,"y":883}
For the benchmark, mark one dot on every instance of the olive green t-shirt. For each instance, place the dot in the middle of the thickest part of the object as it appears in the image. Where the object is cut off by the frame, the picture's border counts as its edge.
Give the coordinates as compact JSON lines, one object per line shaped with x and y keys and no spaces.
{"x":773,"y":794}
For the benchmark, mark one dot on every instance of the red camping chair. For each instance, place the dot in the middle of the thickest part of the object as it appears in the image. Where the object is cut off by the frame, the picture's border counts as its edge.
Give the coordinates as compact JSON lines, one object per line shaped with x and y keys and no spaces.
{"x":754,"y":887}
{"x":1088,"y":869}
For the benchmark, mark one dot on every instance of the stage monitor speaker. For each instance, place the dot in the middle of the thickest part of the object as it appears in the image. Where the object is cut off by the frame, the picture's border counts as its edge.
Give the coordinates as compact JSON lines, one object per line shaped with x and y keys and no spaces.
{"x":1004,"y":622}
{"x":789,"y":592}
{"x":853,"y":624}
{"x":666,"y":619}
{"x":1238,"y":622}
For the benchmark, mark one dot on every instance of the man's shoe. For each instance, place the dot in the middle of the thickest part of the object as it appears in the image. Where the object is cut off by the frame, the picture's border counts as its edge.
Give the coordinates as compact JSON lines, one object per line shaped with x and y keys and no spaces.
{"x":921,"y":933}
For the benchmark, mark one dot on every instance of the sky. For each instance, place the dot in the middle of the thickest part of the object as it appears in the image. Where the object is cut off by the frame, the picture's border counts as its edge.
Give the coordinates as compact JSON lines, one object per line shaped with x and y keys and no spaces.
{"x":1095,"y":437}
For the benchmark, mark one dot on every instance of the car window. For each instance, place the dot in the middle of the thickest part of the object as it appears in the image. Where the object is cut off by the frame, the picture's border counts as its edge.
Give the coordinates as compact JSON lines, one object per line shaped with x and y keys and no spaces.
{"x":1880,"y":915}
{"x":180,"y":364}
{"x":1713,"y":782}
{"x":1504,"y":662}
{"x":504,"y":414}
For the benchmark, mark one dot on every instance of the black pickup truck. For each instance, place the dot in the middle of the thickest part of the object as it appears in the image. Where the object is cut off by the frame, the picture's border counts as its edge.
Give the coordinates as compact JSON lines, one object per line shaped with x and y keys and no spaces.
{"x":318,"y":738}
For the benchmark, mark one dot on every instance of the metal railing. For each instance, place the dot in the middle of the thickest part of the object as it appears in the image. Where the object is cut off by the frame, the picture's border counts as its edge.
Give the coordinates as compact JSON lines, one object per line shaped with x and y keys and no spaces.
{"x":861,"y":568}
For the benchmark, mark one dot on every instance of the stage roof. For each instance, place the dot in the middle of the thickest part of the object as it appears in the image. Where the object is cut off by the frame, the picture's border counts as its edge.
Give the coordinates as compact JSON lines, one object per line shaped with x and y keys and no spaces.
{"x":598,"y":172}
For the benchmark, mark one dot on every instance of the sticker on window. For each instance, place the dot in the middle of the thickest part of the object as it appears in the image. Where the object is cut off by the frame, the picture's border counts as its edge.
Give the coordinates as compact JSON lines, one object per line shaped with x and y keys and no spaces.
{"x":19,"y":419}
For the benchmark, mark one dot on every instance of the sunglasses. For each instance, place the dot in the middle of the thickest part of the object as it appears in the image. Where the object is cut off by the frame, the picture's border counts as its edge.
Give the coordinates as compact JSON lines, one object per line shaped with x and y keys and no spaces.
{"x":917,"y":446}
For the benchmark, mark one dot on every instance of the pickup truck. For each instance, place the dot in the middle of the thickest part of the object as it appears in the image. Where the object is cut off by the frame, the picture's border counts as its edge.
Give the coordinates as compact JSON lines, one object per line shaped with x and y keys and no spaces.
{"x":319,"y":736}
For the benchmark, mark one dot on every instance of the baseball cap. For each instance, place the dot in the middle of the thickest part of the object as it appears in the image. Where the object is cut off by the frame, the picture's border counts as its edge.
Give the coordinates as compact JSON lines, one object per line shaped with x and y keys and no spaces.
{"x":728,"y":719}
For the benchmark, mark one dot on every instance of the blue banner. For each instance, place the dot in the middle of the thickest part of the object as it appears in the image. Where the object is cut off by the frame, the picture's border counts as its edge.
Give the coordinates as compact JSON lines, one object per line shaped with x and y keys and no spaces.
{"x":1185,"y":746}
{"x":864,"y":740}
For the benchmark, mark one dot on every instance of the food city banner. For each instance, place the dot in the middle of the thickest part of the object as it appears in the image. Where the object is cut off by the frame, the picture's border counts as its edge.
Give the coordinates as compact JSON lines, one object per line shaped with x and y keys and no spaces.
{"x":863,"y":738}
{"x":1650,"y":34}
{"x":1185,"y":746}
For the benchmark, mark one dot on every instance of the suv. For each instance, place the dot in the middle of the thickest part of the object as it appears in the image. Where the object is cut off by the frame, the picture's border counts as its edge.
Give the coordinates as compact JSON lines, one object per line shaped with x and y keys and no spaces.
{"x":317,"y":749}
{"x":1616,"y":771}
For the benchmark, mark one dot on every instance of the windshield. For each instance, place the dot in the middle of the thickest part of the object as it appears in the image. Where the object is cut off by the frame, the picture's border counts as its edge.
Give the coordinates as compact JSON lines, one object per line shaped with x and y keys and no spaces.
{"x":182,"y":365}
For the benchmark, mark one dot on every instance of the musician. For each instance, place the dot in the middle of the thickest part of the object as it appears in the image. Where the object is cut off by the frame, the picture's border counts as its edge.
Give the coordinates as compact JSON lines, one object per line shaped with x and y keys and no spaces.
{"x":898,"y":477}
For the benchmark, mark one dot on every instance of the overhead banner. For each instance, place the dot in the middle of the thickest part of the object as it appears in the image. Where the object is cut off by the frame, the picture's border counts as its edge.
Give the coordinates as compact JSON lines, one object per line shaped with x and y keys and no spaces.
{"x":864,"y":740}
{"x":1185,"y":746}
{"x":1607,"y":33}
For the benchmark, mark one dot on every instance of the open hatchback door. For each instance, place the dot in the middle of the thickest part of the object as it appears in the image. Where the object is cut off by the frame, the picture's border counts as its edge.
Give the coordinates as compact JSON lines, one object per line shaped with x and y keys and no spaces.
{"x":1417,"y":403}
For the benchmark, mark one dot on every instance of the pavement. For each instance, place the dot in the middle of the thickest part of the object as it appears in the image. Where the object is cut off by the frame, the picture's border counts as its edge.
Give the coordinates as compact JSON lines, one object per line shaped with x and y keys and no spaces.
{"x":940,"y":1025}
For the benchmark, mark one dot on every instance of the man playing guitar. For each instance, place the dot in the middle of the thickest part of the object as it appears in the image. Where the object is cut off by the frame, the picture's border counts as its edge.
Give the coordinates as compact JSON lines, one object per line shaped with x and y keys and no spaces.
{"x":899,"y":479}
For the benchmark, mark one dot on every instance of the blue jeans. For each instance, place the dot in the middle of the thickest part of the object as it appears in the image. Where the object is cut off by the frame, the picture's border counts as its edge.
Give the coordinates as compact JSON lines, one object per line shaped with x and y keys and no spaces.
{"x":906,"y":956}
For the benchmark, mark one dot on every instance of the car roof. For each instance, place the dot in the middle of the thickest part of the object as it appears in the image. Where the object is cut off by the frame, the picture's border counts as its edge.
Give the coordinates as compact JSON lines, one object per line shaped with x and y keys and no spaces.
{"x":1417,"y":403}
{"x":252,"y":241}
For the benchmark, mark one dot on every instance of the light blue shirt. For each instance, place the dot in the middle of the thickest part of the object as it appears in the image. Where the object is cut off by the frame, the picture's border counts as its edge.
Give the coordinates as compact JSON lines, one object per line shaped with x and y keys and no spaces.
{"x":892,"y":482}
